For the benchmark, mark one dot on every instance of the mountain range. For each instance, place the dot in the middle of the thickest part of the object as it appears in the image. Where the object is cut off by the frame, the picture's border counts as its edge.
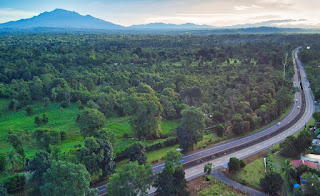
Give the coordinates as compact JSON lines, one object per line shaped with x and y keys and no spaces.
{"x":61,"y":20}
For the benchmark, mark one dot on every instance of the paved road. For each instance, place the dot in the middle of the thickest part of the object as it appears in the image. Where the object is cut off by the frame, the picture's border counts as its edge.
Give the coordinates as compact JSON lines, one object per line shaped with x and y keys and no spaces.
{"x":307,"y":116}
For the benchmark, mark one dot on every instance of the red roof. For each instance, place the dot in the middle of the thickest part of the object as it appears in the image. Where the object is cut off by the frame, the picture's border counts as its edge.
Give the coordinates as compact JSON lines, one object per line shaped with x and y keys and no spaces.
{"x":296,"y":163}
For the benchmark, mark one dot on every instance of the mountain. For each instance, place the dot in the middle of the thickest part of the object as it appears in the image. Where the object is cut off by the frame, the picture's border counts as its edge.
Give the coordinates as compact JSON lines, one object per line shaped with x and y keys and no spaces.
{"x":60,"y":18}
{"x":268,"y":23}
{"x":170,"y":26}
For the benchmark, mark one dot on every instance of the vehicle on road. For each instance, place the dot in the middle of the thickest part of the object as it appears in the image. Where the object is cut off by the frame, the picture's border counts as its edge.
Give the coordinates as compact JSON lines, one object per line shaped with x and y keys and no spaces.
{"x":279,"y":123}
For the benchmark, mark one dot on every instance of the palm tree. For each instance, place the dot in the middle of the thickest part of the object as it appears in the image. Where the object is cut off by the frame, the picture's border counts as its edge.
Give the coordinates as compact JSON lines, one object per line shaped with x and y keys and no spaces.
{"x":14,"y":160}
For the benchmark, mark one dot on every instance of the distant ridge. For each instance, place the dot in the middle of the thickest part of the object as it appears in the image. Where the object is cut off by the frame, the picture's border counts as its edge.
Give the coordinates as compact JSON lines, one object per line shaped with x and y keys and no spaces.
{"x":60,"y":18}
{"x":170,"y":26}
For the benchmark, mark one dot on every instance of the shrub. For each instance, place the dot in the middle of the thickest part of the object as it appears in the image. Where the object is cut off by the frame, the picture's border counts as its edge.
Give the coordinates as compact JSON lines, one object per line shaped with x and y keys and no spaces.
{"x":15,"y":183}
{"x":63,"y":135}
{"x":64,"y":104}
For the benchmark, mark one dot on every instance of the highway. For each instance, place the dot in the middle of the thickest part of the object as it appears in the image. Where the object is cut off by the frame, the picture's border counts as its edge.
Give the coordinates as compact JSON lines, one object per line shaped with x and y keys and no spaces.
{"x":299,"y":115}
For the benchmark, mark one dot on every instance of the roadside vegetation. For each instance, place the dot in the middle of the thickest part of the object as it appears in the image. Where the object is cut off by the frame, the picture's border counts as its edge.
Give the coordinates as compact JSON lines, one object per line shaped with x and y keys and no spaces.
{"x":92,"y":101}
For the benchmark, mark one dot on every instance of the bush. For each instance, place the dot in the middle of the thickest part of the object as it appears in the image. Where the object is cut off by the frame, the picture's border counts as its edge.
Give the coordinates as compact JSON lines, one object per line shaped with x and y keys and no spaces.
{"x":242,"y":164}
{"x":63,"y":135}
{"x":234,"y":164}
{"x":15,"y":183}
{"x":3,"y":163}
{"x":125,"y":135}
{"x":64,"y":104}
{"x":29,"y":110}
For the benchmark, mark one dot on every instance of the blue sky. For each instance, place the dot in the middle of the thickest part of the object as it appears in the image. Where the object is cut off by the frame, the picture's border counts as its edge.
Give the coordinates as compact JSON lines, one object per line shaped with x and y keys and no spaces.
{"x":294,"y":13}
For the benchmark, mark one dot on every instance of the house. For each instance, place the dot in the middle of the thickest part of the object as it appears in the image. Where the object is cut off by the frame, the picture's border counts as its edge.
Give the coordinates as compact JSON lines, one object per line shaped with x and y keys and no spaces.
{"x":296,"y":163}
{"x":226,"y":166}
{"x":311,"y":157}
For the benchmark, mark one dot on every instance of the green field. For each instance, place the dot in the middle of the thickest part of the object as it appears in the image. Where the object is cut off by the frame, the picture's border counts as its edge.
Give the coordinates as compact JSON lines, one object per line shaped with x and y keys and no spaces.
{"x":250,"y":175}
{"x":64,"y":120}
{"x":216,"y":190}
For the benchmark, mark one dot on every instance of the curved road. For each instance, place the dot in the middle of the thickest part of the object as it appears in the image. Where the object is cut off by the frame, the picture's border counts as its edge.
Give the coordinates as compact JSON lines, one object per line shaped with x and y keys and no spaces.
{"x":197,"y":170}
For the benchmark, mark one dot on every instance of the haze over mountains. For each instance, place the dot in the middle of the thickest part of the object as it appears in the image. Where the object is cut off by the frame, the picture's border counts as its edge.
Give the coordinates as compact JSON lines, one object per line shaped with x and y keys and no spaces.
{"x":64,"y":19}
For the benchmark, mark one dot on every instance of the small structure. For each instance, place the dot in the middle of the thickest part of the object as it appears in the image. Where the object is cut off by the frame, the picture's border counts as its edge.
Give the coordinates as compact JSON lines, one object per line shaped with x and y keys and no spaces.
{"x":316,"y":142}
{"x":296,"y":163}
{"x":226,"y":166}
{"x":311,"y":157}
{"x":308,"y":47}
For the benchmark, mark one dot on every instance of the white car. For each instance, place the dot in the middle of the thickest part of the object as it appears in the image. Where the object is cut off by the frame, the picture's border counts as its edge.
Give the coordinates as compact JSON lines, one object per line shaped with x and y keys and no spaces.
{"x":298,"y":107}
{"x":296,"y":100}
{"x":279,"y":123}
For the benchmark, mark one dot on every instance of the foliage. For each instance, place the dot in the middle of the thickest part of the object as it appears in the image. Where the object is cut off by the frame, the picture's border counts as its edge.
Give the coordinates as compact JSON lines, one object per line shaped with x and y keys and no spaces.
{"x":131,"y":179}
{"x":271,"y":183}
{"x":16,"y":143}
{"x":29,"y":110}
{"x":171,"y":181}
{"x":189,"y":132}
{"x":173,"y":156}
{"x":64,"y":178}
{"x":207,"y":168}
{"x":219,"y":128}
{"x":90,"y":121}
{"x":3,"y":191}
{"x":46,"y":137}
{"x":39,"y":165}
{"x":14,"y":183}
{"x":136,"y":152}
{"x":146,"y":110}
{"x":235,"y":164}
{"x":3,"y":163}
{"x":98,"y":155}
{"x":292,"y":146}
{"x":312,"y":185}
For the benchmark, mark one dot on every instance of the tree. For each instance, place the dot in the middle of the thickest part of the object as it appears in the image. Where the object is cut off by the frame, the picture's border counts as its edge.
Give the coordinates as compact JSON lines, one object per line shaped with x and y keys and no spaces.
{"x":14,"y":183}
{"x":131,"y":179}
{"x":180,"y":182}
{"x":146,"y":113}
{"x":316,"y":116}
{"x":46,"y":102}
{"x":171,"y":181}
{"x":288,"y":147}
{"x":98,"y":155}
{"x":90,"y":121}
{"x":13,"y":105}
{"x":64,"y":178}
{"x":312,"y":185}
{"x":37,"y":120}
{"x":16,"y":143}
{"x":165,"y":180}
{"x":234,"y":164}
{"x":173,"y":156}
{"x":271,"y":183}
{"x":3,"y":163}
{"x":3,"y":191}
{"x":136,"y":152}
{"x":237,"y":124}
{"x":29,"y":110}
{"x":219,"y":128}
{"x":45,"y":119}
{"x":39,"y":165}
{"x":303,"y":141}
{"x":193,"y":123}
{"x":207,"y":168}
{"x":45,"y":137}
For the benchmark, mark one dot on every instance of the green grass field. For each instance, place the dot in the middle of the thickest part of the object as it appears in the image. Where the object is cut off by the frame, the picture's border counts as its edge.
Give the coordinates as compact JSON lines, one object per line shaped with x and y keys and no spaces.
{"x":216,"y":190}
{"x":64,"y":120}
{"x":250,"y":175}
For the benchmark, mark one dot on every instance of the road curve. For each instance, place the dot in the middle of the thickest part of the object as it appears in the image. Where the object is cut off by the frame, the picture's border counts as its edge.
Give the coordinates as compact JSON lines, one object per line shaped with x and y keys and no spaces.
{"x":193,"y":163}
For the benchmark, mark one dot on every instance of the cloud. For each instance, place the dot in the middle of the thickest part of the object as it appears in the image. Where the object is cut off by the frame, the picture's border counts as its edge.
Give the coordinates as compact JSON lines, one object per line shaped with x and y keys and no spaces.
{"x":244,"y":7}
{"x":8,"y":14}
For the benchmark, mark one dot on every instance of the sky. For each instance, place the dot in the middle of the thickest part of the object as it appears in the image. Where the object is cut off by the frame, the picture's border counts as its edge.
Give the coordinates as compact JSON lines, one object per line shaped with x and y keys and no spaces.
{"x":220,"y":13}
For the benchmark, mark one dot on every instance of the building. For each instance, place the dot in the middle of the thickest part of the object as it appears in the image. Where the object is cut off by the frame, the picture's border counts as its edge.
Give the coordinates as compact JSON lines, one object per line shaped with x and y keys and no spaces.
{"x":296,"y":163}
{"x":311,"y":157}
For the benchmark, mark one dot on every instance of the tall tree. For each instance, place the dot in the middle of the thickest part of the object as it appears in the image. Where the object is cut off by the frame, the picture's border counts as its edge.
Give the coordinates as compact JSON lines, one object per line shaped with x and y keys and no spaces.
{"x":17,"y":144}
{"x":64,"y":178}
{"x":146,"y":115}
{"x":98,"y":154}
{"x":136,"y":152}
{"x":131,"y":179}
{"x":193,"y":123}
{"x":271,"y":183}
{"x":39,"y":165}
{"x":90,"y":121}
{"x":173,"y":156}
{"x":312,"y":186}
